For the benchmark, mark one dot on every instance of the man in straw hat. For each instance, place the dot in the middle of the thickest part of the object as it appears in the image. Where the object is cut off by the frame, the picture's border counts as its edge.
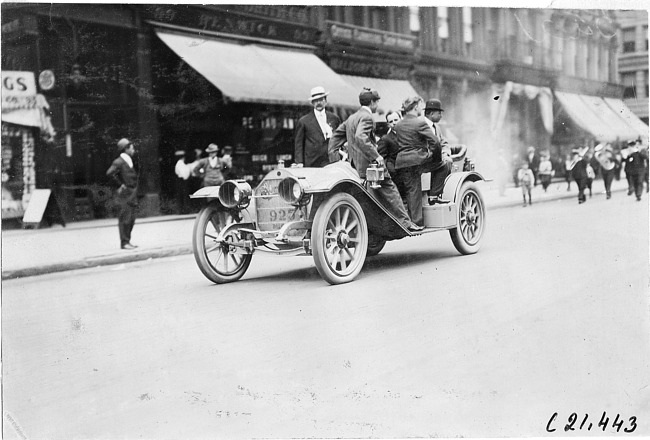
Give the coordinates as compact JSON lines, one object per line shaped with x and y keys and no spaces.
{"x":359,"y":133}
{"x":125,"y":176}
{"x":314,"y":131}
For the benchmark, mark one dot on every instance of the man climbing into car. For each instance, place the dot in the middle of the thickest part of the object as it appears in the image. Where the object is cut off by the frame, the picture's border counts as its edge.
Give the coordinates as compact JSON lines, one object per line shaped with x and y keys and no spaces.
{"x":358,"y":132}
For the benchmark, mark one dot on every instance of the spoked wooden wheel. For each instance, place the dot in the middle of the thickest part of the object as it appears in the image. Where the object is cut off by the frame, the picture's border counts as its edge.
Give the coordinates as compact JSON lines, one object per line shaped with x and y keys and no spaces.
{"x":219,"y":262}
{"x":471,"y":220}
{"x":339,"y":239}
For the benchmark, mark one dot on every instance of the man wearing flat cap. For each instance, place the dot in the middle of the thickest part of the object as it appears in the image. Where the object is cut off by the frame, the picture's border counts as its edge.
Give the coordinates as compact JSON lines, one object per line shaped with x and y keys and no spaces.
{"x":314,"y":131}
{"x":359,"y":133}
{"x":125,"y":176}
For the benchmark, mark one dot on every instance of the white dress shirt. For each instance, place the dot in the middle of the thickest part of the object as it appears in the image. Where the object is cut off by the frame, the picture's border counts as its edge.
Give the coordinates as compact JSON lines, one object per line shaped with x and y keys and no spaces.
{"x":127,"y":159}
{"x":321,"y":117}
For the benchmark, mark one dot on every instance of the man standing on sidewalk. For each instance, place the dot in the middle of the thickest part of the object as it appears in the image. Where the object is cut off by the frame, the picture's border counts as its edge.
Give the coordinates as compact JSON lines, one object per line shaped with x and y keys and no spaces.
{"x":126,"y":177}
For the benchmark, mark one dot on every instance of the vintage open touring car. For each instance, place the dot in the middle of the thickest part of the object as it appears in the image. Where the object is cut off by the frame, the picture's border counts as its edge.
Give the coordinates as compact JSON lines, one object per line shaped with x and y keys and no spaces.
{"x":328,"y":213}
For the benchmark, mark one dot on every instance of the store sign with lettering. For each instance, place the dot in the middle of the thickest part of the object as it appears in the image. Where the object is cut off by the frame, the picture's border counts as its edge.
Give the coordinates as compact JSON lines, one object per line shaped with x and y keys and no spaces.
{"x":18,"y":90}
{"x":373,"y":69}
{"x":231,"y":23}
{"x":370,"y":37}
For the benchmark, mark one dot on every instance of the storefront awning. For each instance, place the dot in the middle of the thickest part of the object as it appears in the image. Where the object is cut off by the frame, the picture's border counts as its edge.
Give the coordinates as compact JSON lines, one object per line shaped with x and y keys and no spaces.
{"x":608,"y":116}
{"x":392,"y":91}
{"x":246,"y":72}
{"x":584,"y":114}
{"x":623,"y":111}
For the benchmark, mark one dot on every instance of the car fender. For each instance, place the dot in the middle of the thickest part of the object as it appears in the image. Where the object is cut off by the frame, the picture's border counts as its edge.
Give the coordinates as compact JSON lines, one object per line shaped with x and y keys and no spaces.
{"x":206,"y":192}
{"x":455,"y":181}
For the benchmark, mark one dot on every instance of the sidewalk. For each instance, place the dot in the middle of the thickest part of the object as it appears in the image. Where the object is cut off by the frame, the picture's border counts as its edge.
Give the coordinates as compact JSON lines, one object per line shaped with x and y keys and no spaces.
{"x":29,"y":252}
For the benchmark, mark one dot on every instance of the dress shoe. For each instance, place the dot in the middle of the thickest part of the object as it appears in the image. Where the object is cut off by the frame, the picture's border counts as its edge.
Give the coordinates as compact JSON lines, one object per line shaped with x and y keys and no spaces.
{"x":128,"y":246}
{"x":437,"y":199}
{"x":415,"y":228}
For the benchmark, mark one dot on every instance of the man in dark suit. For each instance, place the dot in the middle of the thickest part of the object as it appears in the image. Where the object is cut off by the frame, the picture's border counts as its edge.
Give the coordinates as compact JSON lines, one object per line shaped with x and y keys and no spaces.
{"x":439,"y":169}
{"x":125,"y":177}
{"x":314,"y":131}
{"x":388,"y":148}
{"x":418,"y":146}
{"x":359,"y":133}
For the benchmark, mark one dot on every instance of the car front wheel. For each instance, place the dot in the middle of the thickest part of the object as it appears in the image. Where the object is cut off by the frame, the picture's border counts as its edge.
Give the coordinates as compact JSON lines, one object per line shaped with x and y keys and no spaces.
{"x":339,"y":239}
{"x":218,"y":261}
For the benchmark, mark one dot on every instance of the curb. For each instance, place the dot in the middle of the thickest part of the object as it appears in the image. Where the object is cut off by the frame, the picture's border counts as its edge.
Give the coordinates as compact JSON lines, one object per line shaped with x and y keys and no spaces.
{"x":97,"y":261}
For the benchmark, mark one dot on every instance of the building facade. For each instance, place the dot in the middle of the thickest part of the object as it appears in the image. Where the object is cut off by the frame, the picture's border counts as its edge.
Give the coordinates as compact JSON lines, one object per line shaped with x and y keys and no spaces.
{"x":633,"y":60}
{"x":175,"y":77}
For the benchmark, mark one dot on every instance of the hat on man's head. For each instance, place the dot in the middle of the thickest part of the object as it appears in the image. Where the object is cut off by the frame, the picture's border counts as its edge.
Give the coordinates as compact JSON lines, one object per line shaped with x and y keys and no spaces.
{"x":632,"y":142}
{"x":212,"y":148}
{"x":433,"y":104}
{"x":318,"y":93}
{"x":123,"y":144}
{"x":368,"y":94}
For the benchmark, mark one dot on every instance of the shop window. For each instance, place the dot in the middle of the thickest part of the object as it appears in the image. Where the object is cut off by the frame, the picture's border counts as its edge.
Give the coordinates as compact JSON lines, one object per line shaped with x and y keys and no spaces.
{"x":629,"y":40}
{"x":443,"y":29}
{"x":645,"y":32}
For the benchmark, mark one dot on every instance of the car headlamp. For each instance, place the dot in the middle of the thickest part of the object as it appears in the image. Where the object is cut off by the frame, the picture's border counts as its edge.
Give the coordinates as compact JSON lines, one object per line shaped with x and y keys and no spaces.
{"x":292,"y":192}
{"x":235,"y":194}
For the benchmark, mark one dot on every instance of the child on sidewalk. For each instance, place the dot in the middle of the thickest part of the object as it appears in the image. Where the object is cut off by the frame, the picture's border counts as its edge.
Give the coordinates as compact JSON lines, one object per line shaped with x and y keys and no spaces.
{"x":526,"y":178}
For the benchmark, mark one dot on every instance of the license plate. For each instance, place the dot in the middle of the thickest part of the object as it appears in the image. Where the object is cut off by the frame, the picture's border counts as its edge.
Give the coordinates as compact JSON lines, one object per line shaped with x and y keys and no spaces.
{"x":272,"y":211}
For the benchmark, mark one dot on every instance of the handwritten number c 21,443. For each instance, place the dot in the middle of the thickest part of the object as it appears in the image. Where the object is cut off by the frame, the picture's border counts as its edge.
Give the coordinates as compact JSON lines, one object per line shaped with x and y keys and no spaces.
{"x":584,"y":424}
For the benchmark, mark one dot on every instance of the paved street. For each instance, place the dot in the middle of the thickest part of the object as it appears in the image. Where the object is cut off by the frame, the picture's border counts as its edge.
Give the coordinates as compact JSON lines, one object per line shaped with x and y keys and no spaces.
{"x":551,"y":316}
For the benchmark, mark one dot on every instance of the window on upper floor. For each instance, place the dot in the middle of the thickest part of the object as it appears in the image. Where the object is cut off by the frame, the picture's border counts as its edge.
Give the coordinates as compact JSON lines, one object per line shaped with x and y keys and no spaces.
{"x":646,"y":85}
{"x":414,"y":18}
{"x":629,"y":40}
{"x":468,"y":36}
{"x":379,"y":18}
{"x":628,"y":79}
{"x":645,"y":33}
{"x":357,"y":14}
{"x":443,"y":28}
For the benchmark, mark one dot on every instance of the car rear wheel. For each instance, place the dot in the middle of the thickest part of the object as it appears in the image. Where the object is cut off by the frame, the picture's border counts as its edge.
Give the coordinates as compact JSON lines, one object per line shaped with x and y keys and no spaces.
{"x":466,"y":237}
{"x":375,"y":245}
{"x":339,"y":239}
{"x":217,"y":261}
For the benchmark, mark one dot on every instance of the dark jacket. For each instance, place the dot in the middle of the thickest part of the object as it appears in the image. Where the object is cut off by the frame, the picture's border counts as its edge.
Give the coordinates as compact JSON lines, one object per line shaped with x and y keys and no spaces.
{"x":310,"y":146}
{"x":359,"y":132}
{"x":416,"y":141}
{"x":579,"y":170}
{"x":388,"y":148}
{"x":635,"y":163}
{"x":122,"y":174}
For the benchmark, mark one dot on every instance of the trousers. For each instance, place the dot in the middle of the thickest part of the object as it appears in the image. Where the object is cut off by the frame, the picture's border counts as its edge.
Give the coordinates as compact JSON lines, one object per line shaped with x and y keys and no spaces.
{"x":390,"y":198}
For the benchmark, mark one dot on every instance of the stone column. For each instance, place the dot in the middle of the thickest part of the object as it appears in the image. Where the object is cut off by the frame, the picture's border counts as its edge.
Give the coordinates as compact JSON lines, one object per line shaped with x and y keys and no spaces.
{"x":148,"y":127}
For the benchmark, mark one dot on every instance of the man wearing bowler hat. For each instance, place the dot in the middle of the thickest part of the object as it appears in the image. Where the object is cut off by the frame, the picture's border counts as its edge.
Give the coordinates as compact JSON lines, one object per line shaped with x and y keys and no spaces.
{"x":125,"y":176}
{"x":359,"y":133}
{"x":314,"y":131}
{"x":441,"y":168}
